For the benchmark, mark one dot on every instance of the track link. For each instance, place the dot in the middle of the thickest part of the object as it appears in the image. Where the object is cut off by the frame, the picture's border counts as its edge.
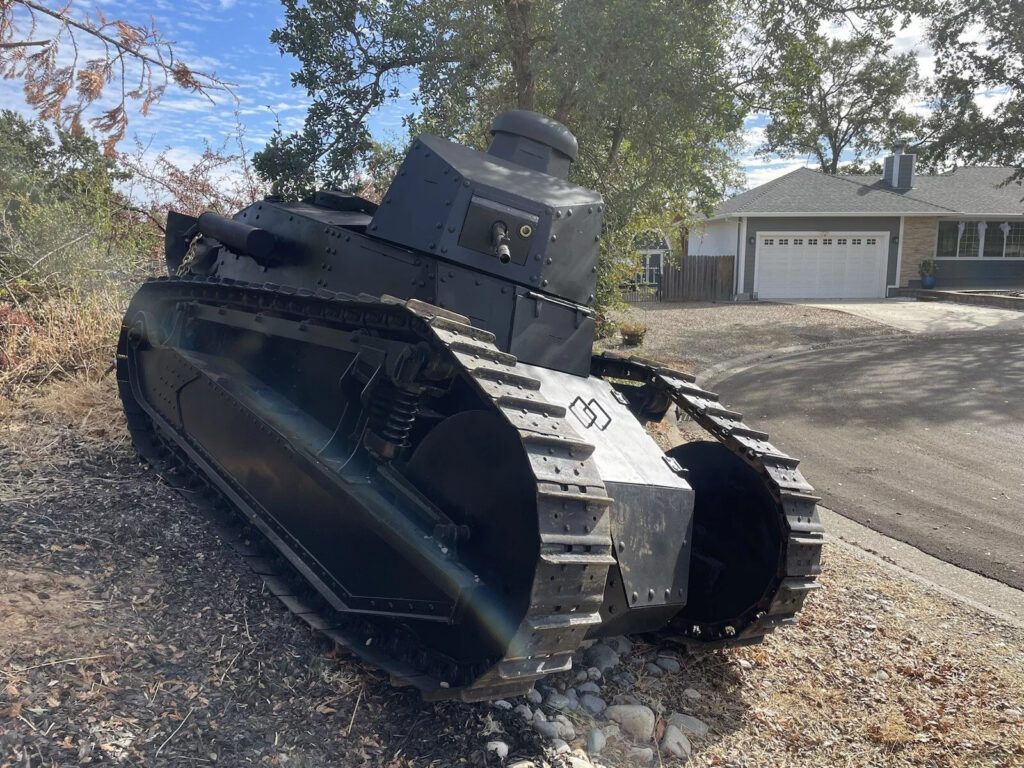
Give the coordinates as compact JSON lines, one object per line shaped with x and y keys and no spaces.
{"x":800,"y":562}
{"x":572,"y":505}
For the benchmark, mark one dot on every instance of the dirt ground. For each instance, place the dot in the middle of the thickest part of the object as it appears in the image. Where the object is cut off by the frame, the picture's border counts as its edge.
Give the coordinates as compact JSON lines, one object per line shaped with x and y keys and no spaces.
{"x":694,"y":336}
{"x":129,"y":634}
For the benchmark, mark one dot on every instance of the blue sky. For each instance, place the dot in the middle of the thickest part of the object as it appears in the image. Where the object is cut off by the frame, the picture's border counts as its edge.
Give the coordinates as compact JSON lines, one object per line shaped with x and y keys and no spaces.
{"x":231,"y":38}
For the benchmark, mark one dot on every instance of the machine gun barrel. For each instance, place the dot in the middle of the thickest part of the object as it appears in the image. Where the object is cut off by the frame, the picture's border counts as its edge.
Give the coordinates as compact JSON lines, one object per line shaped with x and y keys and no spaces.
{"x":238,"y":236}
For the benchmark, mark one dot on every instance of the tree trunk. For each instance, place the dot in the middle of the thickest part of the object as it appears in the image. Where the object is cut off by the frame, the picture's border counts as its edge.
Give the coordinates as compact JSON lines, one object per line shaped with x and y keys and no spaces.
{"x":518,"y":14}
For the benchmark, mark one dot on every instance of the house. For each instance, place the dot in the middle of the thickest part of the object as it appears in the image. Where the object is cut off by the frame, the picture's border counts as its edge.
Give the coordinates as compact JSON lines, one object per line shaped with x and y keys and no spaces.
{"x":814,"y":235}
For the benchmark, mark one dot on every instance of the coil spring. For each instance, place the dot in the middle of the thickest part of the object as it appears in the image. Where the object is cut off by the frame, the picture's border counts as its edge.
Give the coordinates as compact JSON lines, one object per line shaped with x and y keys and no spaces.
{"x":392,"y":412}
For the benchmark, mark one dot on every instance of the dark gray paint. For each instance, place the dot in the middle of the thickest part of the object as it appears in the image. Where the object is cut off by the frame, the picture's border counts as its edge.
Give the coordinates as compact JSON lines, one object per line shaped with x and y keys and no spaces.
{"x":890,"y":224}
{"x":905,"y":178}
{"x":978,"y":273}
{"x":426,"y":208}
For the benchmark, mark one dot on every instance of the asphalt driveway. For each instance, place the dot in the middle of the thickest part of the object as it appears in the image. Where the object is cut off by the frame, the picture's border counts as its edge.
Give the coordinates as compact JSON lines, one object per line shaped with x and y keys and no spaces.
{"x":919,"y":437}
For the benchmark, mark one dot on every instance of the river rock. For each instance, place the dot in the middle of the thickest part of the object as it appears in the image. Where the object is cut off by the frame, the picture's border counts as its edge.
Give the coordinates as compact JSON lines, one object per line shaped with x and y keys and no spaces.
{"x":653,"y":670}
{"x":546,"y":729}
{"x":602,"y":657}
{"x":500,"y":748}
{"x":565,"y":728}
{"x":643,"y":755}
{"x":689,"y":724}
{"x":691,"y":694}
{"x":621,"y":644}
{"x":593,"y":673}
{"x":675,"y":743}
{"x":668,"y":664}
{"x":560,"y":747}
{"x":534,"y":696}
{"x":624,"y":678}
{"x":595,"y":705}
{"x":635,"y":719}
{"x":559,"y":702}
{"x":596,"y":741}
{"x":581,"y":676}
{"x":524,"y":712}
{"x":588,"y":687}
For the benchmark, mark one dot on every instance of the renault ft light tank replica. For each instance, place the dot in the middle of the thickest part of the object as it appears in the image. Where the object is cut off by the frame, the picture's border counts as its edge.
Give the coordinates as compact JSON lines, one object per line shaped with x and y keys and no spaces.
{"x":432,"y":468}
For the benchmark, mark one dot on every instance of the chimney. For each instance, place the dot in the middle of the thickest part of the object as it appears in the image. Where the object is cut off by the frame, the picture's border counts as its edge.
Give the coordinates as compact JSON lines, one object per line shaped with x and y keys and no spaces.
{"x":898,"y":168}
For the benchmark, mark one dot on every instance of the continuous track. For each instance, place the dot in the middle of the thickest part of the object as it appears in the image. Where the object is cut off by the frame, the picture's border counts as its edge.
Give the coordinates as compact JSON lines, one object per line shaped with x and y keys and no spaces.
{"x":800,"y":562}
{"x":572,"y":505}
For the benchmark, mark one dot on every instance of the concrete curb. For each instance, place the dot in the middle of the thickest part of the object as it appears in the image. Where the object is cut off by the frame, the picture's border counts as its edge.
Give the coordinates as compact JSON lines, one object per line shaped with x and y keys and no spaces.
{"x":974,"y":590}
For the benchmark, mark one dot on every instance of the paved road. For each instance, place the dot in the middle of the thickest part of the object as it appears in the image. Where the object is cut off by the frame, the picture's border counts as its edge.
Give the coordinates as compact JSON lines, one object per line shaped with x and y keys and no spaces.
{"x":919,"y":438}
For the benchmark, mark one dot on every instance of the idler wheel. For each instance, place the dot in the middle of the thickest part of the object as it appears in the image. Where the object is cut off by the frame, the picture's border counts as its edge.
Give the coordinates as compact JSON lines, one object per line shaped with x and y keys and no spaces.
{"x":738,"y":537}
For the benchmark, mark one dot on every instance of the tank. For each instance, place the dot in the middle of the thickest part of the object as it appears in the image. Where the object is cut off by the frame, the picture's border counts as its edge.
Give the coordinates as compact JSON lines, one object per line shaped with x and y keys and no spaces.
{"x":395,"y":414}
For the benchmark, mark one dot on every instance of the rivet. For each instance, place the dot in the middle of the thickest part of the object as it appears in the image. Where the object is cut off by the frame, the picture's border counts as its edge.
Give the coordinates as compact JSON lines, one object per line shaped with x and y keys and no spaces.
{"x":550,"y":260}
{"x":635,"y":597}
{"x":650,"y":594}
{"x":554,"y":238}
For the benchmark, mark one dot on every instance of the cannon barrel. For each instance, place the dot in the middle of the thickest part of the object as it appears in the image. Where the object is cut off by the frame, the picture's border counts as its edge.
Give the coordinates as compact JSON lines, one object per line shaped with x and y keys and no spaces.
{"x":238,"y":236}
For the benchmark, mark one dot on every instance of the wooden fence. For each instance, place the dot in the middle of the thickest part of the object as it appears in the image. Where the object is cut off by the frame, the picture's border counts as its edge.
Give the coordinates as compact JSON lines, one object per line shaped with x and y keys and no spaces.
{"x":690,"y":278}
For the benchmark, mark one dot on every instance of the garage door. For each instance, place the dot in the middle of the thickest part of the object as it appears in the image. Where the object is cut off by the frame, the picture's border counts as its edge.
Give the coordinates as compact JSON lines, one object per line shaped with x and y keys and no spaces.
{"x":820,"y":265}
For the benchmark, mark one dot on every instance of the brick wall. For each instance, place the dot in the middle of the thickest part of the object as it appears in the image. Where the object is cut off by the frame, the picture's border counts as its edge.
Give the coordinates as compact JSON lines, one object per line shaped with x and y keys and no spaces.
{"x":919,"y":236}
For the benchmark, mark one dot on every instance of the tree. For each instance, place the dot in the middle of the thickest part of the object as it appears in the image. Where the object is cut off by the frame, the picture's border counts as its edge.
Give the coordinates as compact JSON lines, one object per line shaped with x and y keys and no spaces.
{"x":644,"y":86}
{"x":979,"y":56}
{"x":45,"y":47}
{"x":833,"y":96}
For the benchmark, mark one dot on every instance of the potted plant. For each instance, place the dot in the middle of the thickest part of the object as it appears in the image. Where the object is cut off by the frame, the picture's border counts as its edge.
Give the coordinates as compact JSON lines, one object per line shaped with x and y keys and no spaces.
{"x":927,"y":272}
{"x":633,"y":334}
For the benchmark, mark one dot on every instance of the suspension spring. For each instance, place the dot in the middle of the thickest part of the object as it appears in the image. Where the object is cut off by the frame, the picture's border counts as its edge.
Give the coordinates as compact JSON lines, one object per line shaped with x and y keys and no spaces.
{"x":392,"y":412}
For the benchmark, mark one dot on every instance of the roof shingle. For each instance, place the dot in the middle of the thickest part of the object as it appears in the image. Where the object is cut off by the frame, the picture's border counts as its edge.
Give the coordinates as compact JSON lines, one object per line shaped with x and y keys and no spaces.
{"x":973,"y":191}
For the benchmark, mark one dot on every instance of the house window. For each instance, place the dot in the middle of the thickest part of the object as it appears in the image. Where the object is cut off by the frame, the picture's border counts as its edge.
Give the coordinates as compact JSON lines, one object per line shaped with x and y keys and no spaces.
{"x":856,"y":241}
{"x":650,"y":269}
{"x":798,"y":241}
{"x":812,"y":241}
{"x":826,"y":241}
{"x":995,"y":239}
{"x":1015,"y":240}
{"x":979,"y":239}
{"x":783,"y":241}
{"x":769,"y":241}
{"x":949,"y":236}
{"x":872,"y":241}
{"x":840,"y":241}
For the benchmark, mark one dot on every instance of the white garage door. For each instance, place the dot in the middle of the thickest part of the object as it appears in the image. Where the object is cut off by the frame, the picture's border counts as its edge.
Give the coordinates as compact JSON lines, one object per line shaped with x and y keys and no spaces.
{"x":820,"y":265}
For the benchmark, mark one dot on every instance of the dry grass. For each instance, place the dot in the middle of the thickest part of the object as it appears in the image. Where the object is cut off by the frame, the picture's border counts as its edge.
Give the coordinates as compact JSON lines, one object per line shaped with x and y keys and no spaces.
{"x":60,"y":337}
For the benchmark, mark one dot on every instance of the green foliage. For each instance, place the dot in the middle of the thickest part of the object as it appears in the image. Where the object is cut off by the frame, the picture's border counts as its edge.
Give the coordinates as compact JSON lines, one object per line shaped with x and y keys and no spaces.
{"x":644,"y":86}
{"x":832,"y":95}
{"x":59,"y":226}
{"x":979,"y":49}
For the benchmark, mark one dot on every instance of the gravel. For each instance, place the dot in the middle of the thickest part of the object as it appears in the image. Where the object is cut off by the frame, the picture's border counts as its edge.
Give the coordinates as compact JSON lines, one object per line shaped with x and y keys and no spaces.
{"x":595,"y":741}
{"x":695,"y":336}
{"x":99,"y":559}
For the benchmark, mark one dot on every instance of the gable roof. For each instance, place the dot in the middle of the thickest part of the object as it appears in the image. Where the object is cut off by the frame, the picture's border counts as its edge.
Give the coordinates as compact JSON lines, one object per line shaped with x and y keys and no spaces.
{"x":975,"y":191}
